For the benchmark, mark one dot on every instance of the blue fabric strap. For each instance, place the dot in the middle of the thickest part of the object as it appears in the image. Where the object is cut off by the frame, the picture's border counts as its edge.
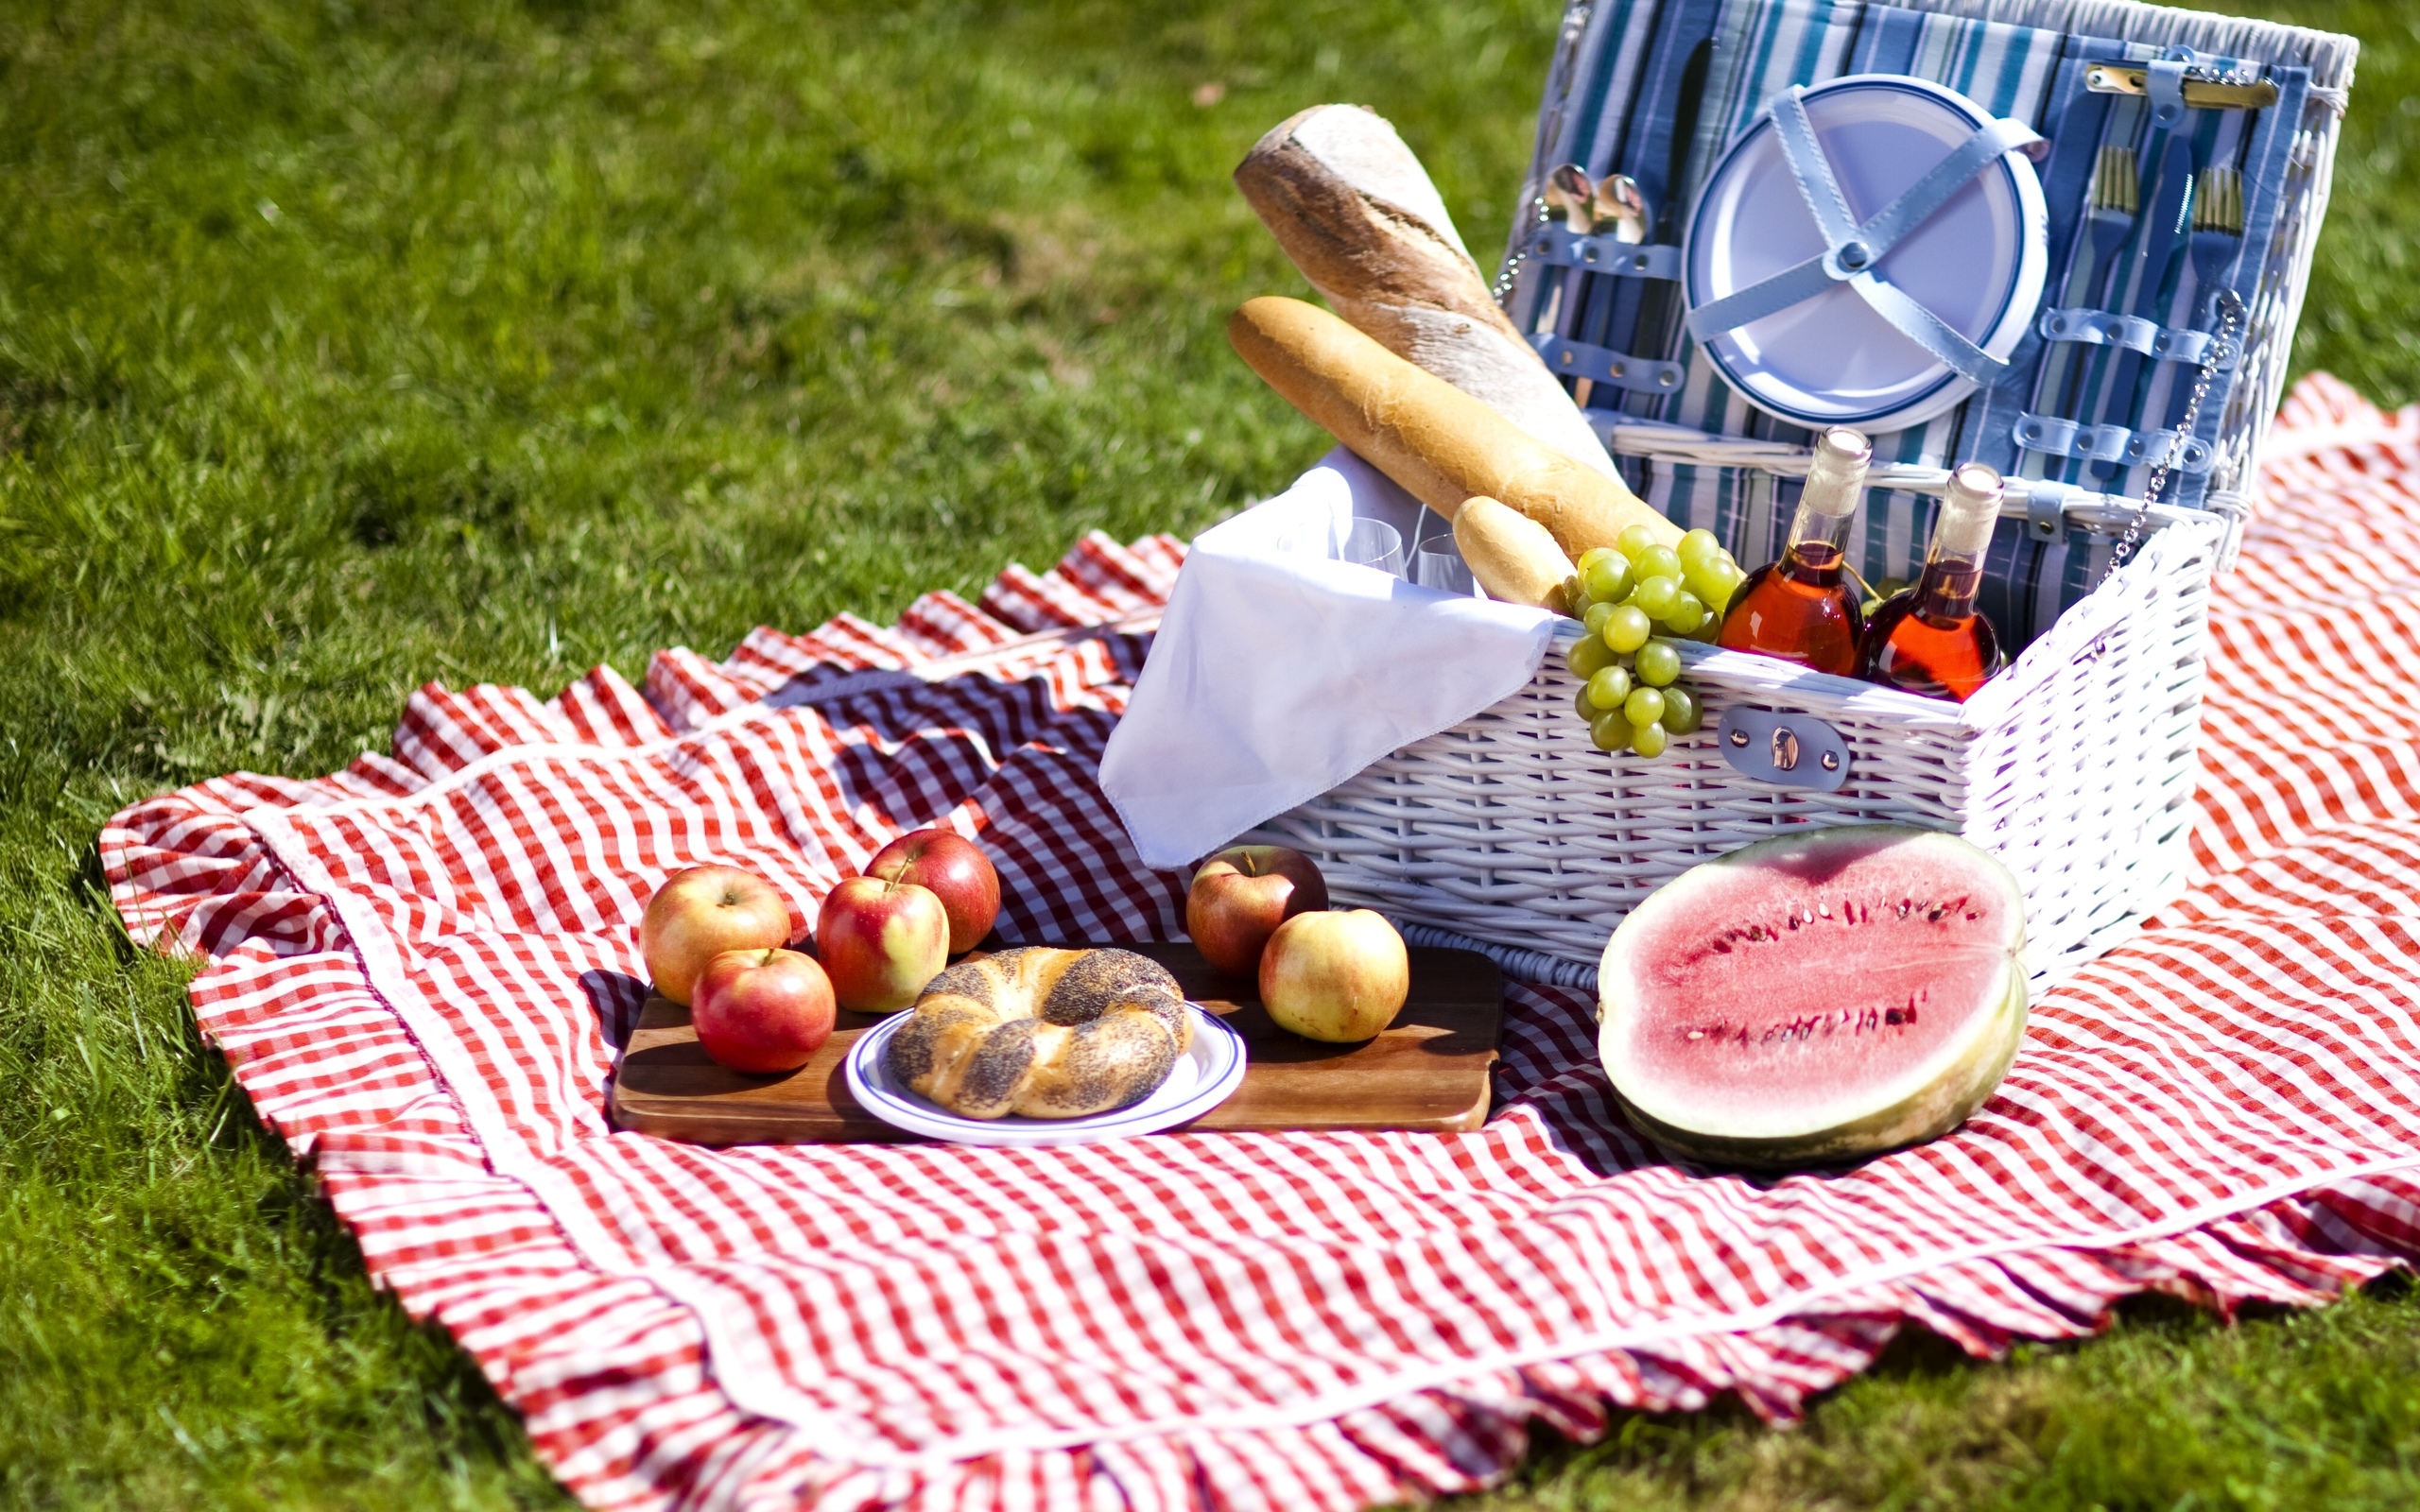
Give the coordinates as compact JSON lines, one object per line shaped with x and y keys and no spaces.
{"x":2055,"y":437}
{"x":2132,"y":333}
{"x":1928,"y":330}
{"x":1851,"y":251}
{"x":1812,"y":170}
{"x":1753,"y":303}
{"x":1942,"y":182}
{"x":2164,"y":82}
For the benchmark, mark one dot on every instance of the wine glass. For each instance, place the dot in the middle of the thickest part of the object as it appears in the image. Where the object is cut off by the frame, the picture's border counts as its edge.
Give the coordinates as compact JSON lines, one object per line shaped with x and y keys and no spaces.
{"x":1438,"y":565}
{"x":1372,"y":544}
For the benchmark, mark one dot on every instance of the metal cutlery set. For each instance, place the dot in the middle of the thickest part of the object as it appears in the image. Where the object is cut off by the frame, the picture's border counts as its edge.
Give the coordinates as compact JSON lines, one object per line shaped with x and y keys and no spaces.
{"x":2126,"y":268}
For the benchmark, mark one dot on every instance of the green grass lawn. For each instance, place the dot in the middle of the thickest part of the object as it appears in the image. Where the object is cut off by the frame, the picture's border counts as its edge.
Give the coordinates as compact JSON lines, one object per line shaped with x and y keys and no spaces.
{"x":351,"y":344}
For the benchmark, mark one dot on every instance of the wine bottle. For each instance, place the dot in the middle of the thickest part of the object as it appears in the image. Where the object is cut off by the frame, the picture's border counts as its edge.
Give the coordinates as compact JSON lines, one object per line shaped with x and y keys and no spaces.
{"x":1804,"y":608}
{"x":1929,"y":639}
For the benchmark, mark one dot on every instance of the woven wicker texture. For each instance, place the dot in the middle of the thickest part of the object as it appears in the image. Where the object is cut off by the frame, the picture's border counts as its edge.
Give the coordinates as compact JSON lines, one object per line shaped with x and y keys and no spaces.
{"x":2077,"y":771}
{"x":418,"y":968}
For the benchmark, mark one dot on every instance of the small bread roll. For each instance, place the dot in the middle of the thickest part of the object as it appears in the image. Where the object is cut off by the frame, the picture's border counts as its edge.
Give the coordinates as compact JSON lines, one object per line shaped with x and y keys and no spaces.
{"x":1512,"y":555}
{"x":1440,"y":444}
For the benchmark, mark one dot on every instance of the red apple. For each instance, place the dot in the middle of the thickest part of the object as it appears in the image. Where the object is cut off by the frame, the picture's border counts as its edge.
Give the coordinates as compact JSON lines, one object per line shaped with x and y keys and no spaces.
{"x":881,"y":941}
{"x":1338,"y":976}
{"x":763,"y":1010}
{"x":957,"y":873}
{"x":699,"y":914}
{"x":1241,"y":895}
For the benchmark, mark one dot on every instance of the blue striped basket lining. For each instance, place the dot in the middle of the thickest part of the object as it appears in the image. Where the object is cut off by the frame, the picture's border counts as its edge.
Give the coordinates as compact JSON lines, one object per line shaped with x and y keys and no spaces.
{"x":1613,"y":101}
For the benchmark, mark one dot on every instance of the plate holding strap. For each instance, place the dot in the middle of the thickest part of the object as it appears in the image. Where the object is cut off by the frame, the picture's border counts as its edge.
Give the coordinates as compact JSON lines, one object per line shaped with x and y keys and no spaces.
{"x":1851,"y":251}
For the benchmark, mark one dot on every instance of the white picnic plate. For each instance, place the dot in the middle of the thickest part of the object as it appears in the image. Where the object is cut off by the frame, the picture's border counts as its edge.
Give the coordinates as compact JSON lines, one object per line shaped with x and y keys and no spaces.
{"x":1980,"y":263}
{"x":1200,"y":1081}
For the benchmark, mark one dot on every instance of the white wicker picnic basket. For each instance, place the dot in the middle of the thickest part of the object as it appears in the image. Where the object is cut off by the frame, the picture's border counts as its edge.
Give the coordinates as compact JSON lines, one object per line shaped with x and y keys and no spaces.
{"x":2076,"y":766}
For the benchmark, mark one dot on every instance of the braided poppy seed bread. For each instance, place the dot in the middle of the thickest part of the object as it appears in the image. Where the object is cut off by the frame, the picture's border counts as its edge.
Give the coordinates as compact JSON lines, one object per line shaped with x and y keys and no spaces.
{"x":1043,"y":1033}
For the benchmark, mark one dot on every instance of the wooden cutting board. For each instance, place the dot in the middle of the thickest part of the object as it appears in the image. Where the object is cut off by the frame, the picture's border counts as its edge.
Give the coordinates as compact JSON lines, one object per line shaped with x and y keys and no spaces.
{"x":1430,"y":1071}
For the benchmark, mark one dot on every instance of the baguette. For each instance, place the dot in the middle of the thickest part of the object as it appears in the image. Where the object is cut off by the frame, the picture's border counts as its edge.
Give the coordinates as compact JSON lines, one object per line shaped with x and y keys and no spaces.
{"x":1512,"y":555}
{"x":1440,"y":444}
{"x":1356,"y":212}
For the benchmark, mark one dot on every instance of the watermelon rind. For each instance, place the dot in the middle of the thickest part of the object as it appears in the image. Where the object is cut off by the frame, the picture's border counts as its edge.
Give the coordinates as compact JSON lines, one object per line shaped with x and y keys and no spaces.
{"x":1807,"y":1127}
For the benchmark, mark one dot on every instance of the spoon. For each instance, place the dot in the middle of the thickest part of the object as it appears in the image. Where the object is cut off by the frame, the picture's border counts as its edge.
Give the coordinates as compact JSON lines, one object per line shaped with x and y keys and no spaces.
{"x":1570,"y":191}
{"x":1618,"y":199}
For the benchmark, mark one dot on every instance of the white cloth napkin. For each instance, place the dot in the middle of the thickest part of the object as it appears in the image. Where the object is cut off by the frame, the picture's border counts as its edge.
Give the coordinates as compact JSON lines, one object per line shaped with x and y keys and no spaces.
{"x":1278,"y":673}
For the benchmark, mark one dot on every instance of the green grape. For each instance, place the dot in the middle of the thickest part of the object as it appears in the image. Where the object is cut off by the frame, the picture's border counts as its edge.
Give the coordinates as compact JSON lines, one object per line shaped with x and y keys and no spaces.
{"x":1683,"y":712}
{"x":1583,"y":707}
{"x":1649,"y":739}
{"x":1607,"y":689}
{"x":1713,"y":582}
{"x":1658,"y":664}
{"x":1657,"y":561}
{"x":1633,"y":541}
{"x":1686,"y":612}
{"x":1698,"y":546}
{"x":1643,"y":707}
{"x":1592,"y":555}
{"x":1588,"y":656}
{"x":1598,"y":612}
{"x":1655,"y":596}
{"x":1575,"y":597}
{"x":1626,"y":629}
{"x":1609,"y":732}
{"x":1709,"y":630}
{"x":1607,"y":577}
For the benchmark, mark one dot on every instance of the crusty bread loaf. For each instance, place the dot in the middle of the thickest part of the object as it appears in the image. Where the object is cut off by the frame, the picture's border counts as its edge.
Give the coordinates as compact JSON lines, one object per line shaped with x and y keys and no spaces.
{"x":1354,"y":210}
{"x":1440,"y":444}
{"x":1043,"y":1033}
{"x":1512,"y":555}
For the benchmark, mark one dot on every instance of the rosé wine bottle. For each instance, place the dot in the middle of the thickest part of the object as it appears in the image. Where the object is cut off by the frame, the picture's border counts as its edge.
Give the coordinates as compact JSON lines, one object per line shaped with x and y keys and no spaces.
{"x":1804,"y":608}
{"x":1927,"y":639}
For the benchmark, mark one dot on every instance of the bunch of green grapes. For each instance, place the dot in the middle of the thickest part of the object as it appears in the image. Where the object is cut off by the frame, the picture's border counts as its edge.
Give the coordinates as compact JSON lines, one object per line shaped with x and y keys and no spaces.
{"x":1631,"y":695}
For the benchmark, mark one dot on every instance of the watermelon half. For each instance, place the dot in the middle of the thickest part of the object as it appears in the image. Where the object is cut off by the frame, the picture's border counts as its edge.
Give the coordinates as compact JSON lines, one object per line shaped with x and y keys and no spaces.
{"x":1816,"y":998}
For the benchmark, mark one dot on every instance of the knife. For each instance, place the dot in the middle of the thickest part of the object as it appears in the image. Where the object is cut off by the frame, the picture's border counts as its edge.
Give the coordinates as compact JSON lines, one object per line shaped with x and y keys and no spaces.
{"x":1651,"y":329}
{"x":2075,"y":148}
{"x":1590,"y":296}
{"x":1656,"y":147}
{"x":2162,"y":242}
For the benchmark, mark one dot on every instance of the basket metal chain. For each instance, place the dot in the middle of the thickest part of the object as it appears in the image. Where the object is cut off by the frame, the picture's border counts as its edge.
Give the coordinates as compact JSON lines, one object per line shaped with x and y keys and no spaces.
{"x":1511,"y":267}
{"x":2230,"y":315}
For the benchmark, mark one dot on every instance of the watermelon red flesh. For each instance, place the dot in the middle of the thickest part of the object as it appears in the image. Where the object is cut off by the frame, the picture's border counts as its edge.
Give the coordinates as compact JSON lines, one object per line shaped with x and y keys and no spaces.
{"x":1817,"y":996}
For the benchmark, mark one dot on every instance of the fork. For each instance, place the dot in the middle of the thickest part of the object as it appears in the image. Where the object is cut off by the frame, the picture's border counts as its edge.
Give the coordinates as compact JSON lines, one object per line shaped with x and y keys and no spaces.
{"x":2217,"y":231}
{"x":2217,"y":238}
{"x":2117,"y":191}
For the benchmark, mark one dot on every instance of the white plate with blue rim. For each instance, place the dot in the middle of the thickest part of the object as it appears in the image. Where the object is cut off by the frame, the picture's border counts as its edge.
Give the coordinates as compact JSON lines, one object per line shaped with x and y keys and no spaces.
{"x":1203,"y":1077}
{"x":1978,"y":264}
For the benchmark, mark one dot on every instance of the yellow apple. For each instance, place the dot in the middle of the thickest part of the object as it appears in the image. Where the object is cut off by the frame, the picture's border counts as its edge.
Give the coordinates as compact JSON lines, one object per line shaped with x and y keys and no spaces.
{"x":1339,"y":976}
{"x":702,"y":912}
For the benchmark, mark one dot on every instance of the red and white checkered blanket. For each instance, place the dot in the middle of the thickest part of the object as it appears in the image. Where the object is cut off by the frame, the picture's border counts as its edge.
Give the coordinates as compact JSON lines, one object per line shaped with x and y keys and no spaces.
{"x":418,"y":968}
